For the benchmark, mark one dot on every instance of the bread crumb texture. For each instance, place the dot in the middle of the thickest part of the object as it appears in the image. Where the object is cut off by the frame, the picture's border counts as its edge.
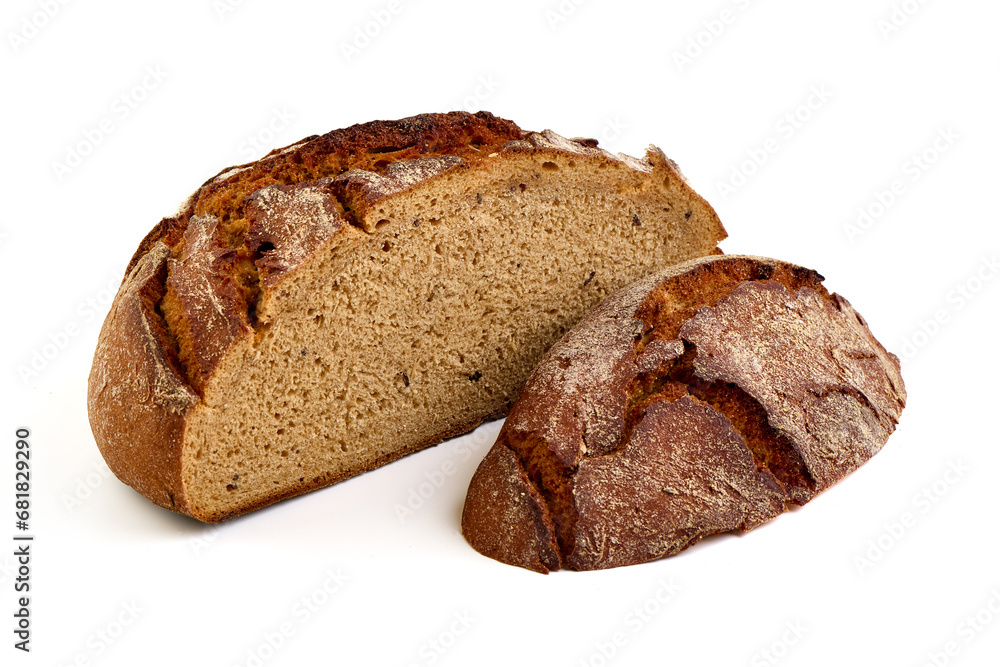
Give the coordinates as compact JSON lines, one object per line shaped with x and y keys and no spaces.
{"x":701,"y":400}
{"x":361,"y":295}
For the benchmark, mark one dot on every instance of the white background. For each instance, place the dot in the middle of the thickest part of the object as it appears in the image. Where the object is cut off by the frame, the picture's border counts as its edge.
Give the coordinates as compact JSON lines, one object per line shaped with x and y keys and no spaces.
{"x":117,"y":581}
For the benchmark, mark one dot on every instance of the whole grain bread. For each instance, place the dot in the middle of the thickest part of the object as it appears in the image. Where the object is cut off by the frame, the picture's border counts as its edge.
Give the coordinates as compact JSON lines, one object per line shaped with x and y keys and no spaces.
{"x":697,"y":401}
{"x":364,"y":294}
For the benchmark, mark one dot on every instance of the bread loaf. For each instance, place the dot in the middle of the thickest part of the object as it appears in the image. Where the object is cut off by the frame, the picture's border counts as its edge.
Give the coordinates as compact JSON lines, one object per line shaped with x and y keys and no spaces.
{"x":360,"y":295}
{"x":697,"y":401}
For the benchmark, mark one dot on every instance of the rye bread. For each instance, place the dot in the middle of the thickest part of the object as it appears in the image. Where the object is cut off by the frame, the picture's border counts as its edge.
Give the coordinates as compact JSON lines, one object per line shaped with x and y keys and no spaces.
{"x":361,"y":295}
{"x":700,"y":400}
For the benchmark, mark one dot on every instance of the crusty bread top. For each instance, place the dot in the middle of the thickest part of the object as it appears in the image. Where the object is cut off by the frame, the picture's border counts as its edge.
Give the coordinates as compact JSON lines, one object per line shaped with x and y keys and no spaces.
{"x":372,"y":147}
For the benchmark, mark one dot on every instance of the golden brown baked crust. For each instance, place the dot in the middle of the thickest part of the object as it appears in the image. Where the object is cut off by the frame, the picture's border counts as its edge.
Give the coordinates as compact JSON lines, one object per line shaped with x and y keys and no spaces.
{"x":697,"y":401}
{"x":203,"y":284}
{"x":368,"y":147}
{"x":137,"y":397}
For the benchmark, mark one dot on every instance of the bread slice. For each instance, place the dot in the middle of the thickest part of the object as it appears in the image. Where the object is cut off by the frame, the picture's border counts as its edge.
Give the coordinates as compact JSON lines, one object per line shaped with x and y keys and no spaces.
{"x":361,"y":295}
{"x":699,"y":400}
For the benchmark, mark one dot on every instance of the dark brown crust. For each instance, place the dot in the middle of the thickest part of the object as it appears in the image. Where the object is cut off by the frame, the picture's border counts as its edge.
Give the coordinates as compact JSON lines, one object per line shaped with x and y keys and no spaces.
{"x":364,"y":146}
{"x":375,"y":145}
{"x":502,"y":484}
{"x":294,"y":220}
{"x":724,"y":488}
{"x":208,"y":301}
{"x":138,"y":401}
{"x":363,"y":164}
{"x":648,"y":411}
{"x":829,"y":387}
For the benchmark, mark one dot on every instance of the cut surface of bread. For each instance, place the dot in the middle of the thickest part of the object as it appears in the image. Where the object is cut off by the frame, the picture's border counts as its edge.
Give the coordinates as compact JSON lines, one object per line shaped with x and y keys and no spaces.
{"x":699,"y":400}
{"x":359,"y":296}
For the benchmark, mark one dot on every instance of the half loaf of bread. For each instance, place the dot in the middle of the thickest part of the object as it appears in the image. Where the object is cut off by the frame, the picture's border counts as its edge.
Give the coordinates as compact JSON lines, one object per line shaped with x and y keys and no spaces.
{"x":360,"y":295}
{"x":698,"y":401}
